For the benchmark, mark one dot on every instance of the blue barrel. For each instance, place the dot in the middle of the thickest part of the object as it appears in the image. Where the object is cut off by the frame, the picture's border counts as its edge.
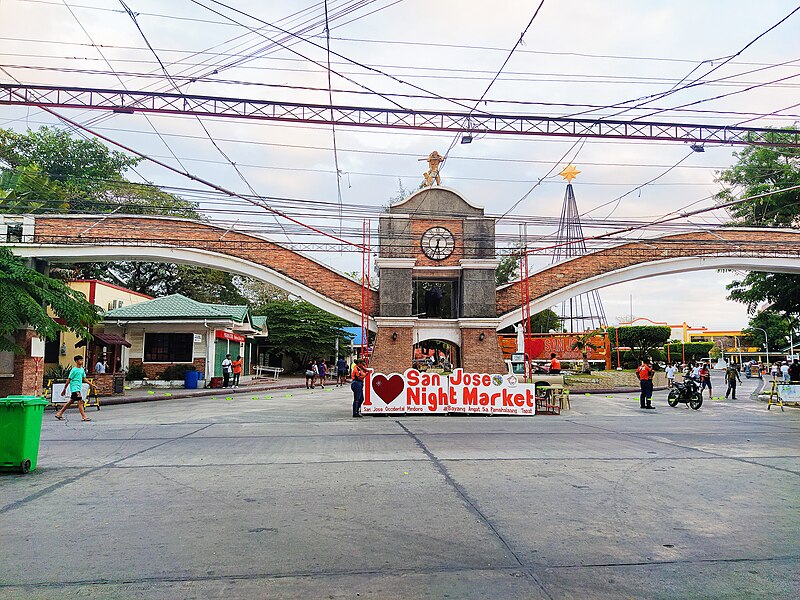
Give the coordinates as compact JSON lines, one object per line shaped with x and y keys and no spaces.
{"x":190,"y":379}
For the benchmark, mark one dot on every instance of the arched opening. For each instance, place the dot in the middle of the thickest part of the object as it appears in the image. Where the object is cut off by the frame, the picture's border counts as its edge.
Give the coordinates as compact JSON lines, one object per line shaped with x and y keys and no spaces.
{"x":436,"y":355}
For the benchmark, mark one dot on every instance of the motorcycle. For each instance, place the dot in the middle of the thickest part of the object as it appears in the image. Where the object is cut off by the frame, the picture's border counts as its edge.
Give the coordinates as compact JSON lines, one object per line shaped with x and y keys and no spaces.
{"x":687,"y":392}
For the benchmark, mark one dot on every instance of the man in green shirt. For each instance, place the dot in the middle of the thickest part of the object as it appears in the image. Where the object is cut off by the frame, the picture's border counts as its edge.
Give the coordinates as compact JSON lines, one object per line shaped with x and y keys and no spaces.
{"x":75,"y":379}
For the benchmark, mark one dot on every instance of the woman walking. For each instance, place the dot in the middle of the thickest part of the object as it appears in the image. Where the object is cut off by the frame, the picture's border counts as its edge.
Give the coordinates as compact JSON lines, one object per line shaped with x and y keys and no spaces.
{"x":322,"y":368}
{"x":310,"y":366}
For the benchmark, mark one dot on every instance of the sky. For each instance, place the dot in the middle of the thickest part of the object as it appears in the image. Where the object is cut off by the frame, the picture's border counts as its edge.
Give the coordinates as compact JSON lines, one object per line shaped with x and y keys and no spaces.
{"x":441,"y":56}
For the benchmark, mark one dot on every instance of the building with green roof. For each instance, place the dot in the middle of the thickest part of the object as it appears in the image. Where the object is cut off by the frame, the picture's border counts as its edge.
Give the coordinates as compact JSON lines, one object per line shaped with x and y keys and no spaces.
{"x":176,"y":330}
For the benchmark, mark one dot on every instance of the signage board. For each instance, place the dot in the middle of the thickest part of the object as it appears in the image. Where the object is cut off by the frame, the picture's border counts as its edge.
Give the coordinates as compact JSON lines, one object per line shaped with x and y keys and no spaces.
{"x":198,"y":338}
{"x":413,"y":392}
{"x":789,"y":392}
{"x":228,"y":335}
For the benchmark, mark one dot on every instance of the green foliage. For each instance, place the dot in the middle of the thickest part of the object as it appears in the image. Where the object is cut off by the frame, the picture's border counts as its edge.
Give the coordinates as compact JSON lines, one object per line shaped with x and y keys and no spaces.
{"x":692,"y":351}
{"x":583,"y":344}
{"x":135,"y":372}
{"x":57,"y":373}
{"x":642,"y":339}
{"x":25,"y":293}
{"x":508,"y":269}
{"x":26,"y":190}
{"x":173,"y":372}
{"x":763,"y":169}
{"x":759,"y":170}
{"x":541,"y":322}
{"x":777,"y":327}
{"x":779,"y":290}
{"x":301,"y":330}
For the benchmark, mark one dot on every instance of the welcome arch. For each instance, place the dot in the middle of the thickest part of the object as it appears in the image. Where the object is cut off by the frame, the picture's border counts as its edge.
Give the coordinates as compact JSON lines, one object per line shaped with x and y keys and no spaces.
{"x":771,"y":250}
{"x":184,"y":241}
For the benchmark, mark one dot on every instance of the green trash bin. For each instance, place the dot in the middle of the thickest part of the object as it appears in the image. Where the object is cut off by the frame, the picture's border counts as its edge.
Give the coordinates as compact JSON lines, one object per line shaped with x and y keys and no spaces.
{"x":20,"y":430}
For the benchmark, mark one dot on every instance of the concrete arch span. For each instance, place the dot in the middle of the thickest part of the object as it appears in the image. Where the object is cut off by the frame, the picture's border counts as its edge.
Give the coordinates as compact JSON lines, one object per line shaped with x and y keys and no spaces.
{"x":184,"y":241}
{"x":654,"y":269}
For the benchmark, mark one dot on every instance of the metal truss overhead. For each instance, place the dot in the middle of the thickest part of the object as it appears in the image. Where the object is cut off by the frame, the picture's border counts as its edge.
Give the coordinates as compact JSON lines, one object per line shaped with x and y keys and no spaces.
{"x":131,"y":102}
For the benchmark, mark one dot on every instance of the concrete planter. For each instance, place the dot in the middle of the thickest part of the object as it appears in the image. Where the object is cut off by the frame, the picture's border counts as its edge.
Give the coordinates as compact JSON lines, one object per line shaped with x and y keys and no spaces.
{"x":159,"y":384}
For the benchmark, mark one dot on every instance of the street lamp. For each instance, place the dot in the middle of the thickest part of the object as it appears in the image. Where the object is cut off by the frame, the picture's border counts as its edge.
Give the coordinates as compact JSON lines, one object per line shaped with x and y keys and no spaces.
{"x":766,"y":341}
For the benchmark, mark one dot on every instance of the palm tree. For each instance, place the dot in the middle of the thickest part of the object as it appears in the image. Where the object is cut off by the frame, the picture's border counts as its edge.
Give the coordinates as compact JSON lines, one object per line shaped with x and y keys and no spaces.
{"x":583,"y":344}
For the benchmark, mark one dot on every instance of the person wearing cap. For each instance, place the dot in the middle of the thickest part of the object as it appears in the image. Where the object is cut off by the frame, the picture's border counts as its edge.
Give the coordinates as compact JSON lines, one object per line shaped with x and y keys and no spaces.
{"x":645,"y":375}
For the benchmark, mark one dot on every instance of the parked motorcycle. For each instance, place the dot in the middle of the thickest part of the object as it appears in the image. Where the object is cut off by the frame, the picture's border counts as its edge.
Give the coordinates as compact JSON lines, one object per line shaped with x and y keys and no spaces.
{"x":686,"y":392}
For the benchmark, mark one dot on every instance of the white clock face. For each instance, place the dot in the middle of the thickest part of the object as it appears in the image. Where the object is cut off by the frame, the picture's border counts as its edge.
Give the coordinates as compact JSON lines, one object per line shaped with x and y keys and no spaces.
{"x":437,"y":243}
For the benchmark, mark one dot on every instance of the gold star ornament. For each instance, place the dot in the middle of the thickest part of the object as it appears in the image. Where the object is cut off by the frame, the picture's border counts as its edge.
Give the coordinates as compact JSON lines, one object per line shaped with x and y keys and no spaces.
{"x":569,"y":173}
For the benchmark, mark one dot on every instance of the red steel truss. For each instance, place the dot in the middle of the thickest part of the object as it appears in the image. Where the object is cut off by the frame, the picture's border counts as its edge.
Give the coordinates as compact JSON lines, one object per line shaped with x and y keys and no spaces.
{"x":131,"y":102}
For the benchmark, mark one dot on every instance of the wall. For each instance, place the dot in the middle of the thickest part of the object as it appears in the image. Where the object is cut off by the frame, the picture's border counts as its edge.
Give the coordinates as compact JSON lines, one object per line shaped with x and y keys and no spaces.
{"x":481,"y":356}
{"x":154,"y":370}
{"x":24,"y":380}
{"x":392,"y":356}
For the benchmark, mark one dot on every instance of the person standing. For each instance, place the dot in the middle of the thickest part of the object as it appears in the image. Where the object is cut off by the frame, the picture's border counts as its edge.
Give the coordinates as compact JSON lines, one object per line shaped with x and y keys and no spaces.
{"x":75,"y":381}
{"x":341,"y":371}
{"x":785,"y":371}
{"x":227,"y":369}
{"x":645,"y":375}
{"x":794,"y":371}
{"x":731,"y":377}
{"x":310,"y":374}
{"x":705,"y":379}
{"x":555,"y":365}
{"x":670,"y":372}
{"x":773,"y":371}
{"x":323,"y":372}
{"x":696,"y":371}
{"x":358,"y":375}
{"x":100,"y":367}
{"x":236,"y":367}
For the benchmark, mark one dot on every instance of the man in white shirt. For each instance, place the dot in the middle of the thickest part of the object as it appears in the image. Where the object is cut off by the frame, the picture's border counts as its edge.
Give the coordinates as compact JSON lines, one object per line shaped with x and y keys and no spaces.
{"x":227,"y":369}
{"x":785,"y":371}
{"x":670,"y":371}
{"x":100,"y":367}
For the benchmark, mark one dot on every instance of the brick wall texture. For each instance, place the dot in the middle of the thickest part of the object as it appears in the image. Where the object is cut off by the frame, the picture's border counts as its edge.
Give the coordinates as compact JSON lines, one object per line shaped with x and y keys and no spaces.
{"x":746,"y":243}
{"x":481,"y":356}
{"x":154,"y":370}
{"x":24,"y":381}
{"x":392,"y":356}
{"x":192,"y":234}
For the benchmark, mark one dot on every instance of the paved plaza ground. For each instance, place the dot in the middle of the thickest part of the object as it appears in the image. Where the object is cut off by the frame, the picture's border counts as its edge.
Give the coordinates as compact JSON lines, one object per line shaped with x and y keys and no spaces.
{"x":287,"y":496}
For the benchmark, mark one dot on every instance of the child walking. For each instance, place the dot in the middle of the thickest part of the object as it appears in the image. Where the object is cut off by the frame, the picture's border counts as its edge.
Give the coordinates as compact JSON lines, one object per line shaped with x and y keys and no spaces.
{"x":75,"y":380}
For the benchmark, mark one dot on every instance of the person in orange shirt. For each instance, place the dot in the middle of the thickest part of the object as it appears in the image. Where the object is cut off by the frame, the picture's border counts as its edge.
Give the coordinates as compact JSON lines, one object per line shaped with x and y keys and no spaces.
{"x":555,"y":365}
{"x":237,"y":370}
{"x":358,"y":375}
{"x":645,"y":375}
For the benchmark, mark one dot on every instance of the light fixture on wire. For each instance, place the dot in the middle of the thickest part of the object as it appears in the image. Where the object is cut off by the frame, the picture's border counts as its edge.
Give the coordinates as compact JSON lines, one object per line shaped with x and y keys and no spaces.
{"x":697,"y":147}
{"x":466,"y":138}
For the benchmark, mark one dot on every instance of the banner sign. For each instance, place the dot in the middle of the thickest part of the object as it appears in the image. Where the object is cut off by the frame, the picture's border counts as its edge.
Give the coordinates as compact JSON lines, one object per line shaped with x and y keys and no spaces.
{"x":789,"y":392}
{"x":228,"y":335}
{"x":460,"y":392}
{"x":541,"y":347}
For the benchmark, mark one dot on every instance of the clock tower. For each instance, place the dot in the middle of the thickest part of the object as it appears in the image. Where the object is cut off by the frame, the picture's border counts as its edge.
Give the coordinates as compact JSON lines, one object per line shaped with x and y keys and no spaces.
{"x":437,"y":267}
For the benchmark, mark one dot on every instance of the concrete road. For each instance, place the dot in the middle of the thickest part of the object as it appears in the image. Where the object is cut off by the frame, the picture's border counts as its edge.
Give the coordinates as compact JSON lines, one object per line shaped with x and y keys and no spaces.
{"x":283,"y":495}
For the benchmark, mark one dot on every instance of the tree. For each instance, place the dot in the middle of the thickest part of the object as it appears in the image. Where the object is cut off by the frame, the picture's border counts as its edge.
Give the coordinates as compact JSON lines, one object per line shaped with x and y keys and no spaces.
{"x":642,"y":339}
{"x":49,"y":171}
{"x":26,"y":294}
{"x":690,"y":351}
{"x":583,"y":344}
{"x":776,"y":325}
{"x":301,"y":330}
{"x":762,"y":169}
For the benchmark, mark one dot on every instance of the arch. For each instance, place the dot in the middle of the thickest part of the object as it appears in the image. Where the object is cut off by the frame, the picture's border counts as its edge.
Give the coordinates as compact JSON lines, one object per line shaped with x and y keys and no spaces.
{"x":773,"y":250}
{"x":184,"y":241}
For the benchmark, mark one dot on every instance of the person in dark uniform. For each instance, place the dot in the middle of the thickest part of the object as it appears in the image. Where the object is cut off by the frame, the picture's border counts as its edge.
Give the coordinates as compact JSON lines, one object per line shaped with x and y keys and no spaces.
{"x":731,"y":378}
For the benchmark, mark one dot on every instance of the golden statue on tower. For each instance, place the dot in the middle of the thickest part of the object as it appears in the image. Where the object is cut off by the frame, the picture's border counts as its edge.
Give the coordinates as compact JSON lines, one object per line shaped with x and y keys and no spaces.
{"x":432,"y":174}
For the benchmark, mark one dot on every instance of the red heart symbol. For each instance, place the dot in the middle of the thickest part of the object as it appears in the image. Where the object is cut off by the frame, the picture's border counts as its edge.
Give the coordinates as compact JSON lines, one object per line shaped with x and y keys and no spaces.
{"x":535,"y":347}
{"x":388,"y":388}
